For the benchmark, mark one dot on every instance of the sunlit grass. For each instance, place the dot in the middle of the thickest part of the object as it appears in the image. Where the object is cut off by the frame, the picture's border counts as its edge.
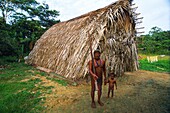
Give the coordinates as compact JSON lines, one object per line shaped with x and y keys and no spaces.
{"x":17,"y":95}
{"x":159,"y":66}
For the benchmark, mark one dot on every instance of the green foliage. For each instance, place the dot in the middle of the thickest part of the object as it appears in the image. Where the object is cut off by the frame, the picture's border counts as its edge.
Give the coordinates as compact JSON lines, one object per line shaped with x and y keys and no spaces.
{"x":8,"y":45}
{"x":156,"y":42}
{"x":23,"y":22}
{"x":160,"y":66}
{"x":6,"y":60}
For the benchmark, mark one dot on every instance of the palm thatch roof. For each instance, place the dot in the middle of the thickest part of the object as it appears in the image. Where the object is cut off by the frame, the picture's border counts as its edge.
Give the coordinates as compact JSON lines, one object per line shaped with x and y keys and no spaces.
{"x":65,"y":47}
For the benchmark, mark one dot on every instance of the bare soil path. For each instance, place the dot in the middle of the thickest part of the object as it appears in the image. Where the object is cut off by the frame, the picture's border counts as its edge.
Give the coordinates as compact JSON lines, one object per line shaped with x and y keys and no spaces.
{"x":138,"y":92}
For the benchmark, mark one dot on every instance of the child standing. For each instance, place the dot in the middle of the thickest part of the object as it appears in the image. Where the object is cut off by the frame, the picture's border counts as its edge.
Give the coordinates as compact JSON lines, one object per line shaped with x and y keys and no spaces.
{"x":112,"y":83}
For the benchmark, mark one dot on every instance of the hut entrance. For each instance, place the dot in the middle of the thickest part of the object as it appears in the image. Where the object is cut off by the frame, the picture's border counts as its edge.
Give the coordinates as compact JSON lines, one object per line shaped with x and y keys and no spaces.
{"x":113,"y":53}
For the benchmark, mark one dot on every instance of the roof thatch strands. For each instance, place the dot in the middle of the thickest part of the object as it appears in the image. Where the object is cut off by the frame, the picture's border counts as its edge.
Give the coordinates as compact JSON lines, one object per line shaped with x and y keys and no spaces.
{"x":65,"y":47}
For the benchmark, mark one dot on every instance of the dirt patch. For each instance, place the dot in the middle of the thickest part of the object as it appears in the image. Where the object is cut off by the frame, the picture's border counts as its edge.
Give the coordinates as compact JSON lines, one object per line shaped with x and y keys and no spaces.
{"x":64,"y":96}
{"x":61,"y":95}
{"x":140,"y":91}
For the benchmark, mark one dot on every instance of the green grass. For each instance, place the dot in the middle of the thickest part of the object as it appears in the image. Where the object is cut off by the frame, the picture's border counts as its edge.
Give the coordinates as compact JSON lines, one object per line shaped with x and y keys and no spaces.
{"x":15,"y":70}
{"x":62,"y":82}
{"x":17,"y":96}
{"x":160,"y":66}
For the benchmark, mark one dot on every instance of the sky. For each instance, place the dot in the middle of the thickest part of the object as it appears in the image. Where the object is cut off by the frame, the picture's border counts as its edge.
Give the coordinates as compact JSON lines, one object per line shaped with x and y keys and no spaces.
{"x":155,"y":12}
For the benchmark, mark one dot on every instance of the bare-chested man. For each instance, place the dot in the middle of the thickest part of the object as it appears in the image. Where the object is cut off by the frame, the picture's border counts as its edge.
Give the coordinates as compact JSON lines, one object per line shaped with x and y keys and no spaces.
{"x":98,"y":76}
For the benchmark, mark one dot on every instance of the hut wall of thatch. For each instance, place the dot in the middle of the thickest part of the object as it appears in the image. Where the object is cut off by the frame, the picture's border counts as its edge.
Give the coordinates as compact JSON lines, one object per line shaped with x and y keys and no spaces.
{"x":65,"y":47}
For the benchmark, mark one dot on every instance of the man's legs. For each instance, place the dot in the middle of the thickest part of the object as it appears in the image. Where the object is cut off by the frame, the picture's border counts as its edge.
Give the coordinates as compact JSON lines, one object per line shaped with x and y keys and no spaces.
{"x":99,"y":94}
{"x":93,"y":105}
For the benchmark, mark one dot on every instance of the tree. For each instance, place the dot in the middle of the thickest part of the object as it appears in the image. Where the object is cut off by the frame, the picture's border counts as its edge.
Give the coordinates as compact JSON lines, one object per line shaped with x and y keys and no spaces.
{"x":22,"y":23}
{"x":156,"y":42}
{"x":11,"y":7}
{"x":155,"y":30}
{"x":8,"y":45}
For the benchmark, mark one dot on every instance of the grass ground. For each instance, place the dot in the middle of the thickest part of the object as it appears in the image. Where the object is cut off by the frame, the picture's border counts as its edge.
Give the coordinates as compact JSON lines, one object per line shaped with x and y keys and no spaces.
{"x":25,"y":89}
{"x":17,"y":95}
{"x":21,"y":87}
{"x":163,"y":64}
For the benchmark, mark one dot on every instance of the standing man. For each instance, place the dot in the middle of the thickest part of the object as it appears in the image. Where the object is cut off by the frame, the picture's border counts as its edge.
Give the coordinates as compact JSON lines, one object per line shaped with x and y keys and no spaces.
{"x":100,"y":68}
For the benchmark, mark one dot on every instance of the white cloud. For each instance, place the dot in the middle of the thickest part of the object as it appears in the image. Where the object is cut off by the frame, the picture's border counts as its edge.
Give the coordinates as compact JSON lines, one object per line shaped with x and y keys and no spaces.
{"x":155,"y":13}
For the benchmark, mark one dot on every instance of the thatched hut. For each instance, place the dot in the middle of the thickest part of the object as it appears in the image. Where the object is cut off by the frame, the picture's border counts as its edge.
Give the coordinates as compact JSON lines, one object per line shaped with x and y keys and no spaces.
{"x":65,"y":47}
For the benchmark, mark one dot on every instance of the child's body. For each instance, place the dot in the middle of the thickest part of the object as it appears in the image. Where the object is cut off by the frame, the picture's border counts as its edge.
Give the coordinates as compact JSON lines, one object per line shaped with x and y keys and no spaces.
{"x":112,"y":83}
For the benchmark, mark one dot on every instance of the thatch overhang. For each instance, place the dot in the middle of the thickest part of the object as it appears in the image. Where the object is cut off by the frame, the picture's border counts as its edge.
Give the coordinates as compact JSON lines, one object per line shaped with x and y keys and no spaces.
{"x":65,"y":47}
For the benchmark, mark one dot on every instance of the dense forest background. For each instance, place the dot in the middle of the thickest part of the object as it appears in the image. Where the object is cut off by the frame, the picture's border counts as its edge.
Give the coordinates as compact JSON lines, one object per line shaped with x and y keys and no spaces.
{"x":22,"y":23}
{"x":156,"y":42}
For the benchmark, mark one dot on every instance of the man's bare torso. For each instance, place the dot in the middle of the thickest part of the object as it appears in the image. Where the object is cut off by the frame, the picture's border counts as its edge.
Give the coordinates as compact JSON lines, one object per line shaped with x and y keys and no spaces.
{"x":99,"y":65}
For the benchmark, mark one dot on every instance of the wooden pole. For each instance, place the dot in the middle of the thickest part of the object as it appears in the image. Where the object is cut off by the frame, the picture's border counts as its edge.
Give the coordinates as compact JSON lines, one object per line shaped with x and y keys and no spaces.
{"x":139,"y":18}
{"x":134,"y":8}
{"x":133,"y":4}
{"x":140,"y":28}
{"x":139,"y":22}
{"x":136,"y":14}
{"x":141,"y":32}
{"x":94,"y":71}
